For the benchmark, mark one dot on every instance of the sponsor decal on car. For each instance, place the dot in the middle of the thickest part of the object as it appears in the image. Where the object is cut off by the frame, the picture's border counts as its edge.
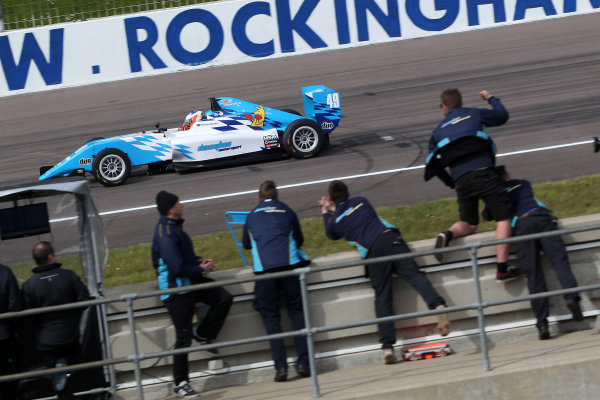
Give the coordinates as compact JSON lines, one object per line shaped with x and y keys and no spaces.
{"x":214,"y":146}
{"x":258,"y":118}
{"x":327,"y":125}
{"x":239,"y":146}
{"x":271,"y":141}
{"x":85,"y":161}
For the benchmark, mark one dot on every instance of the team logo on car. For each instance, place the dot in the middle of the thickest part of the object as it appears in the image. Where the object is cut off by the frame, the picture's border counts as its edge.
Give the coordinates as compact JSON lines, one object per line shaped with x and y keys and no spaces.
{"x":85,"y":161}
{"x":271,"y":141}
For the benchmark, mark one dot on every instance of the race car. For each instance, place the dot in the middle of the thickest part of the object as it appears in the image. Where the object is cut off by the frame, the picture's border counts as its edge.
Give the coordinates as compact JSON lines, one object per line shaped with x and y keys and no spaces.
{"x":233,"y":130}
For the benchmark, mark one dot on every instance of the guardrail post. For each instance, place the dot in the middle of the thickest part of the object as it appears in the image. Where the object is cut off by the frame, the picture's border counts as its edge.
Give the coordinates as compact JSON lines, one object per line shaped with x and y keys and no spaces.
{"x":480,"y":315}
{"x":309,"y":336}
{"x":134,"y":345}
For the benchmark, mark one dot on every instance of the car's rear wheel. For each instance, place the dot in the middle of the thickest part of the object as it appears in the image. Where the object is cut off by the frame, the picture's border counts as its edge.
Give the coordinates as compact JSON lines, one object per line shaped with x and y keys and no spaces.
{"x":303,"y":138}
{"x":111,"y":167}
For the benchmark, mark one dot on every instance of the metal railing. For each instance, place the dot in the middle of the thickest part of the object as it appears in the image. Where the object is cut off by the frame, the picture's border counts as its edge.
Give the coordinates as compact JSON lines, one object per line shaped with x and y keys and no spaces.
{"x":309,"y":331}
{"x":18,"y":14}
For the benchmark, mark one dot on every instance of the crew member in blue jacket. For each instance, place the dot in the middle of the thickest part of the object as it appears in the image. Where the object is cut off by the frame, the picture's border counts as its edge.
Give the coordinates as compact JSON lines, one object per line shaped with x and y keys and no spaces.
{"x":532,"y":216}
{"x":177,"y":265}
{"x":273,"y":233}
{"x":461,"y":143}
{"x":355,"y":220}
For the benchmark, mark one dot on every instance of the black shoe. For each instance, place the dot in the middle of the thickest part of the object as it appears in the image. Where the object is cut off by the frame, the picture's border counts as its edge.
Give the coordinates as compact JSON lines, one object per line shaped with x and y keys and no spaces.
{"x":441,"y":241}
{"x":573,"y":306}
{"x":302,"y":370}
{"x":544,"y":331}
{"x":280,"y":375}
{"x":202,"y":341}
{"x":510,"y":275}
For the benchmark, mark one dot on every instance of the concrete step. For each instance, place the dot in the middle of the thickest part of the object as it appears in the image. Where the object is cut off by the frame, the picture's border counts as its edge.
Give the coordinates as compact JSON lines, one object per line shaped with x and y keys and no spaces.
{"x":564,"y":367}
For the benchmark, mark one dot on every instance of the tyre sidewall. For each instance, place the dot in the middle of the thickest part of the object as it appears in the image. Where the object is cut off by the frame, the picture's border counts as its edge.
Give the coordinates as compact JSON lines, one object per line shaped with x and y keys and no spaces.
{"x":96,"y":167}
{"x":288,"y":136}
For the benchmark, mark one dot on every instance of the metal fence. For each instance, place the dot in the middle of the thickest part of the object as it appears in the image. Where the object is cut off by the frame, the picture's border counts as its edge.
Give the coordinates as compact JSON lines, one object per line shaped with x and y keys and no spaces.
{"x":309,"y":331}
{"x":18,"y":14}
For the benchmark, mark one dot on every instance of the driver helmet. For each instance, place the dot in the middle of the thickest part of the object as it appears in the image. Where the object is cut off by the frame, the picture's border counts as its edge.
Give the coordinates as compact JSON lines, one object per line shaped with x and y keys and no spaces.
{"x":191,"y":118}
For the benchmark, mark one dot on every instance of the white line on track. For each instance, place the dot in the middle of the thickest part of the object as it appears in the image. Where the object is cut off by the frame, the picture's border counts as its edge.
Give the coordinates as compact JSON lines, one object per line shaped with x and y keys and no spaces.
{"x":388,"y":171}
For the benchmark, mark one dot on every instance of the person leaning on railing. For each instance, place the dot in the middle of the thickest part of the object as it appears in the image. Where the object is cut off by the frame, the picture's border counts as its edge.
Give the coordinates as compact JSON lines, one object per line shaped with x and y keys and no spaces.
{"x":355,"y":220}
{"x":532,"y":216}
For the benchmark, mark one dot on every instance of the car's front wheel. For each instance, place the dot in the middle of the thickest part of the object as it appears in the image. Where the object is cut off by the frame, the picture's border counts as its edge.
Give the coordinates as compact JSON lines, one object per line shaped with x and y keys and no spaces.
{"x":303,"y":138}
{"x":111,"y":167}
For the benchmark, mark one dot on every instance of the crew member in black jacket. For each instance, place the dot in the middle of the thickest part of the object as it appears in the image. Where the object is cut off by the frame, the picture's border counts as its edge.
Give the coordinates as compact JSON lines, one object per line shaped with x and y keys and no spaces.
{"x":57,"y":332}
{"x":10,"y":301}
{"x":461,"y":143}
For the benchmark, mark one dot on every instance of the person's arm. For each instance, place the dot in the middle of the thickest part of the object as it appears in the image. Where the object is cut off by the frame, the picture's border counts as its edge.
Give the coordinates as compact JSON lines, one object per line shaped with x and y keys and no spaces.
{"x":171,"y":255}
{"x":497,"y":115}
{"x":246,"y":237}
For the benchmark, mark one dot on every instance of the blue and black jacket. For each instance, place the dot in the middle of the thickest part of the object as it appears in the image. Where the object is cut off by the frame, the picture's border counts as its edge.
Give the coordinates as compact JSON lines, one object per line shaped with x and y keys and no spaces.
{"x":173,"y":255}
{"x":272,"y":231}
{"x":357,"y":222}
{"x":522,"y":200}
{"x":461,"y":142}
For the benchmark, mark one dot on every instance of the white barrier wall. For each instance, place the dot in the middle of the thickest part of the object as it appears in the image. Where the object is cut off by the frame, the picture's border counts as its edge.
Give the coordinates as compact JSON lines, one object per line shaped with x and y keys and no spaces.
{"x":235,"y":31}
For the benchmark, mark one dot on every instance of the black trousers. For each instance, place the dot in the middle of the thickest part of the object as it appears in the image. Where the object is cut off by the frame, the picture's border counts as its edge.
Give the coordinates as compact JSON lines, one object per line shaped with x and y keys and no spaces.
{"x":182,"y":307}
{"x":528,"y":253}
{"x":48,"y":356}
{"x":266,"y":301}
{"x":9,"y":364}
{"x":381,"y":274}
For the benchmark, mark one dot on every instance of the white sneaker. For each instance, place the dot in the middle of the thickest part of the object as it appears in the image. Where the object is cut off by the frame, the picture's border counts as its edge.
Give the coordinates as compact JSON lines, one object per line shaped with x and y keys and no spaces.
{"x":185,"y":391}
{"x":389,"y":357}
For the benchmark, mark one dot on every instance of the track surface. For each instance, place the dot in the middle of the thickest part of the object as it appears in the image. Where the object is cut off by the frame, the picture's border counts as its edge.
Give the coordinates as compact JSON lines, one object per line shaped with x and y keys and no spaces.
{"x":546,"y":74}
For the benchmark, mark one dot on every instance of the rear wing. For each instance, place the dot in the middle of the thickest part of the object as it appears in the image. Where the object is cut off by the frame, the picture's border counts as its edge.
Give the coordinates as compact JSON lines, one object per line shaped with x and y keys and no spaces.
{"x":322,"y":104}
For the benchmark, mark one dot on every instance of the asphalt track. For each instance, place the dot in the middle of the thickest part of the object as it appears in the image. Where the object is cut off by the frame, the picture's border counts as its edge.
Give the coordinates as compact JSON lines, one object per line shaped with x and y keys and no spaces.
{"x":546,"y":74}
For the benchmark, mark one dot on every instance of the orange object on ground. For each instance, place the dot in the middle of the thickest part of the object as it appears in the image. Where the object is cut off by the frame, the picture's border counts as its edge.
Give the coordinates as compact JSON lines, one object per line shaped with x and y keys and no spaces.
{"x":426,"y":351}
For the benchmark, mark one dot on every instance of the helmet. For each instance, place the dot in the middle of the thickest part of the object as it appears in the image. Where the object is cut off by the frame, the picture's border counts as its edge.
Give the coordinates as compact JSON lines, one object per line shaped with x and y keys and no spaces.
{"x":191,"y":118}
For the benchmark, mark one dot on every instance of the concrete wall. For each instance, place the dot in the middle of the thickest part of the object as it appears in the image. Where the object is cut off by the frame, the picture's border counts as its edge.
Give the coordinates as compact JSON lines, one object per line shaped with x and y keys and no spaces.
{"x":342,"y":296}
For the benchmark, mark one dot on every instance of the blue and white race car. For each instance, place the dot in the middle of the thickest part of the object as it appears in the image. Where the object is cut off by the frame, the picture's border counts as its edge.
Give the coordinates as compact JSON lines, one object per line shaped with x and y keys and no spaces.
{"x":232,"y":130}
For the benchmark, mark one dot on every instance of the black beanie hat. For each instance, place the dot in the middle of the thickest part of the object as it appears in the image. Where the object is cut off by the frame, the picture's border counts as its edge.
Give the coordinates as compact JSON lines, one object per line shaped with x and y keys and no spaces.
{"x":165,"y":201}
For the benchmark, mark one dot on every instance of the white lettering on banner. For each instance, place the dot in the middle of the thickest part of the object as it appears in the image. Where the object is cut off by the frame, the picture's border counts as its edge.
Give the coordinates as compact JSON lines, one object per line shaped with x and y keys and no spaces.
{"x":238,"y":31}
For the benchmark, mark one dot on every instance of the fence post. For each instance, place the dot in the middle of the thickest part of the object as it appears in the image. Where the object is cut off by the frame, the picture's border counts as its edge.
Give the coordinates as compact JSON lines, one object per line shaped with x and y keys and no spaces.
{"x":480,"y":315}
{"x":134,"y":344}
{"x":309,"y":336}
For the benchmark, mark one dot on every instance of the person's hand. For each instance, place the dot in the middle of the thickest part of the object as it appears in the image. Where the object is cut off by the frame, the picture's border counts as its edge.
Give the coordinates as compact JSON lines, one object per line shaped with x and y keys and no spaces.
{"x":485,"y":95}
{"x":327,"y":206}
{"x":207,"y":265}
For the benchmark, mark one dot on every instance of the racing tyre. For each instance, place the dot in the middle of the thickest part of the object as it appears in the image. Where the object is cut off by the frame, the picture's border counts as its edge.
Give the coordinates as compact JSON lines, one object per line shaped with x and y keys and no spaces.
{"x":303,"y":138}
{"x":111,"y":167}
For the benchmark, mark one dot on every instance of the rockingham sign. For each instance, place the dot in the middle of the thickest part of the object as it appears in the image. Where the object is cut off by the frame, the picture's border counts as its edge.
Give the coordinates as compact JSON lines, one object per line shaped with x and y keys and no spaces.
{"x":236,"y":31}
